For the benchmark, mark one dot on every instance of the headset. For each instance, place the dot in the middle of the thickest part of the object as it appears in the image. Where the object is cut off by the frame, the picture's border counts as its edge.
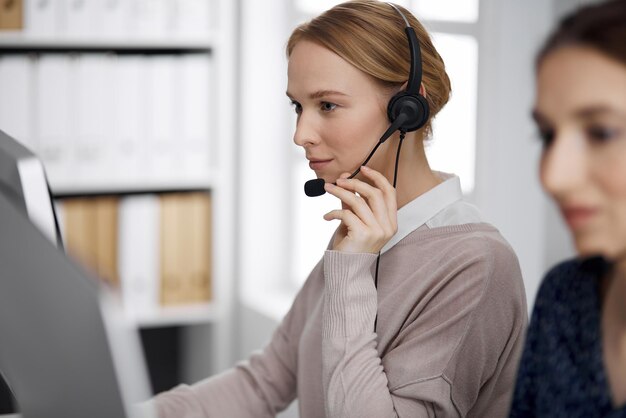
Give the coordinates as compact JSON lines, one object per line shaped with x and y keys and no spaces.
{"x":407,"y":110}
{"x":410,"y":102}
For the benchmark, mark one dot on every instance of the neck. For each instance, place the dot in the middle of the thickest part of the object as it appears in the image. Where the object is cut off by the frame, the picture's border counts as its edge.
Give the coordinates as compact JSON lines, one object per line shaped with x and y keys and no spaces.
{"x":614,"y":333}
{"x":616,"y":294}
{"x":414,"y":174}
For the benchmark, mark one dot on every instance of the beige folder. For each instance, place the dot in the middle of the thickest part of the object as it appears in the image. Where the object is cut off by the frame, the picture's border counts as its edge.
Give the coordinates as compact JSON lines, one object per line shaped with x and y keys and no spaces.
{"x":11,"y":15}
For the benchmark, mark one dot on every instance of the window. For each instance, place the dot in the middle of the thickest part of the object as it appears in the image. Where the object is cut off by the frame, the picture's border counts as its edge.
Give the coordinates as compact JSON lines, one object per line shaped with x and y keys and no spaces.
{"x":445,"y":10}
{"x":453,"y":25}
{"x":452,"y":147}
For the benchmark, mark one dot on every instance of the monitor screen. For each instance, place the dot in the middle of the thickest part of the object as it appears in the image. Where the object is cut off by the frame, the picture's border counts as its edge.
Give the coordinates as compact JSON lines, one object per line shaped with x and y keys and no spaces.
{"x":67,"y":349}
{"x":23,"y":182}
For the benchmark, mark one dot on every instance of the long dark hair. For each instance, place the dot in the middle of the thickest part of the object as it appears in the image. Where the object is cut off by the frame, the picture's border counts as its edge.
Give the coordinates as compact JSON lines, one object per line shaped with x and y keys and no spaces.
{"x":599,"y":26}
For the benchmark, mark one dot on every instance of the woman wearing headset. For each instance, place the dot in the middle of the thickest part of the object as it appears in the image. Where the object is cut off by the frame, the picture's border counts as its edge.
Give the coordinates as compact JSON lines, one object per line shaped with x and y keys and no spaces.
{"x":574,"y":361}
{"x":431,"y":327}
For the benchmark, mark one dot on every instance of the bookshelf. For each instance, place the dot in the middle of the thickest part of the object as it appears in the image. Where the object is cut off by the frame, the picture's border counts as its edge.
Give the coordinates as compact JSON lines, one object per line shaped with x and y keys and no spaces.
{"x":62,"y":69}
{"x":13,"y":41}
{"x":190,"y":314}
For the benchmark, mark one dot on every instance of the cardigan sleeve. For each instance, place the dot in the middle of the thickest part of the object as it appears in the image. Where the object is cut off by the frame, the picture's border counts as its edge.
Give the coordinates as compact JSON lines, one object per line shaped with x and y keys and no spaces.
{"x":355,"y":384}
{"x":523,"y":403}
{"x":260,"y":387}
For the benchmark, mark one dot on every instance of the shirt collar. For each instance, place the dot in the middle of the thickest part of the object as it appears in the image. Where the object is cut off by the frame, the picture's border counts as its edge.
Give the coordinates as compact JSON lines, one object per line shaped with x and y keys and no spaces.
{"x":421,"y":209}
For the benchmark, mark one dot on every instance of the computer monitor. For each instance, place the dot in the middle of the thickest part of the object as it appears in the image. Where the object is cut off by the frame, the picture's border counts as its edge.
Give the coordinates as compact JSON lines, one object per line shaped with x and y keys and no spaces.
{"x":68,"y":351}
{"x":23,"y":181}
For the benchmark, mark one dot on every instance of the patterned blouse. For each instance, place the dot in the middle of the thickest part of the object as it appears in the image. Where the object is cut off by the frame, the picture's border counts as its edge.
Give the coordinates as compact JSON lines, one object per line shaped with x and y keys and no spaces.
{"x":561,"y":373}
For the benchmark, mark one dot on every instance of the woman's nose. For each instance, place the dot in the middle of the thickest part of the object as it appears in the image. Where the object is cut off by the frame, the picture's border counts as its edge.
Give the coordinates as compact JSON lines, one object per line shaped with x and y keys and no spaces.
{"x":306,"y":131}
{"x":564,"y":164}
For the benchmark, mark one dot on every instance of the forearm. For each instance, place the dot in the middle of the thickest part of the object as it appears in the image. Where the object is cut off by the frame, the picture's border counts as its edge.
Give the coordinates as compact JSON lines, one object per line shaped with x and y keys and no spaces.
{"x":354,"y":380}
{"x":229,"y":394}
{"x":259,"y":387}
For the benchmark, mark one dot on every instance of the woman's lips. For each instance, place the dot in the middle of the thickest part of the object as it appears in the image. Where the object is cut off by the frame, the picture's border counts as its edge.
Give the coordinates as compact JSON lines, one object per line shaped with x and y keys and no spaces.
{"x":316,"y":165}
{"x":577,"y":217}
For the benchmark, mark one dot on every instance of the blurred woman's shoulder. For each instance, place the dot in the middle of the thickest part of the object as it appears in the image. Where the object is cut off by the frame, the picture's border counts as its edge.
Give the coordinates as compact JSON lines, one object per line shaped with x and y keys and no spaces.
{"x":568,"y":299}
{"x":570,"y":280}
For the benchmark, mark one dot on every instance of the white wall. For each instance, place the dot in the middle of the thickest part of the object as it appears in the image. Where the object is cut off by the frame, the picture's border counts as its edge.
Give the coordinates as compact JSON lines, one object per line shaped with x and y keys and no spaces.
{"x":264,"y":145}
{"x":265,"y":158}
{"x":507,"y":187}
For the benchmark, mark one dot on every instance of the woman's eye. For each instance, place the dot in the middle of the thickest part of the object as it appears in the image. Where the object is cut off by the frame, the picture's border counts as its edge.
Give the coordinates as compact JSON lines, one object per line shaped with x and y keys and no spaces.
{"x":327,"y":106}
{"x":297,"y":107}
{"x":601,"y":133}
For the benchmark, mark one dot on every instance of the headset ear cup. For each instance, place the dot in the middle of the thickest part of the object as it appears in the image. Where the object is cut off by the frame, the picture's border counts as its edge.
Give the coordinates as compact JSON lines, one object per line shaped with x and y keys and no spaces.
{"x":425,"y":111}
{"x":416,"y":106}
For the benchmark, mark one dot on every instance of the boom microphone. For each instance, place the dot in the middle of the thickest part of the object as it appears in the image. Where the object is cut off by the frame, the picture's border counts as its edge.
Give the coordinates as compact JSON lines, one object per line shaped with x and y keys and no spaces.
{"x":315,"y":187}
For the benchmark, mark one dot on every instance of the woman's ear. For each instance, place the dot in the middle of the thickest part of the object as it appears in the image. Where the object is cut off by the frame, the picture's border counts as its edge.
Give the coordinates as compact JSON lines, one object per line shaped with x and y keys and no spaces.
{"x":422,"y":88}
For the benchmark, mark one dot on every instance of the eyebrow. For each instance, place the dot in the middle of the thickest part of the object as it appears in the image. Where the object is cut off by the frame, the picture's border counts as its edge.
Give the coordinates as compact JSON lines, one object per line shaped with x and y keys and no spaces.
{"x":584,"y":113}
{"x":321,"y":93}
{"x":591,"y":111}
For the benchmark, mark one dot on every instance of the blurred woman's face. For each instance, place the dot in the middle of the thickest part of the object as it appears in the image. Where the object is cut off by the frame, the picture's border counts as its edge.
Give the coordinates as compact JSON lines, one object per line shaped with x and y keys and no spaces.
{"x":580,"y":110}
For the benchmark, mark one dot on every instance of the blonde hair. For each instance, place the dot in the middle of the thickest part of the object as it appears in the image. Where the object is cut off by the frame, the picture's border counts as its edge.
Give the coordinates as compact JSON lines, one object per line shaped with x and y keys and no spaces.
{"x":370,"y":35}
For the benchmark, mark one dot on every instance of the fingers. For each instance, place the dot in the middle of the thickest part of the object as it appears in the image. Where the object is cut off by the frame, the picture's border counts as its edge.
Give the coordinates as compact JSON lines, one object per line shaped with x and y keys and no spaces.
{"x":345,"y":216}
{"x":389,"y":192}
{"x":369,"y":211}
{"x":352,"y":202}
{"x":379,"y":198}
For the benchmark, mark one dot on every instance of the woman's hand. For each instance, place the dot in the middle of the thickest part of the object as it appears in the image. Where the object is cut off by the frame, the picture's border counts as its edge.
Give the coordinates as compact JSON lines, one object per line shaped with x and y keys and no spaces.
{"x":369,"y":219}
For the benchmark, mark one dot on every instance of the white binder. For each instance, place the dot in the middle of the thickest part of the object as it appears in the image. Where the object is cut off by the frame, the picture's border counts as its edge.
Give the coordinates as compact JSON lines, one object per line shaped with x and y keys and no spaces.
{"x":128,"y":128}
{"x":192,"y":19}
{"x":78,"y":17}
{"x":160,"y":144}
{"x":92,"y":107}
{"x":52,"y":113}
{"x":153,"y":18}
{"x":16,"y":99}
{"x":41,"y":17}
{"x":196,"y":126}
{"x":138,"y":257}
{"x":113,"y":18}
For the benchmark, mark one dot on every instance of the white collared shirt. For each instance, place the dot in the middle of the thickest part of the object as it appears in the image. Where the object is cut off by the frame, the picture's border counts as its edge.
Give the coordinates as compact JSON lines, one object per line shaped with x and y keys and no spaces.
{"x":442,"y":205}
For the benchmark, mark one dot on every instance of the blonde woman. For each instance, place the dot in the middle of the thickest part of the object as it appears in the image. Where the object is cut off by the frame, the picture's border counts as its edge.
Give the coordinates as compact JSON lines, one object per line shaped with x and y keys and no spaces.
{"x":417,"y":308}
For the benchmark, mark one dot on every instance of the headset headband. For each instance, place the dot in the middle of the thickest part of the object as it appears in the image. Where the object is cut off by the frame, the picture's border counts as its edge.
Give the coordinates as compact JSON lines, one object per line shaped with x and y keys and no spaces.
{"x":415,"y":73}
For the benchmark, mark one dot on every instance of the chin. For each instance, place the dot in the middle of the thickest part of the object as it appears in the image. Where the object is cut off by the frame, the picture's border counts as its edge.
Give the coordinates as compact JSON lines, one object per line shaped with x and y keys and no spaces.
{"x":328,"y":178}
{"x":321,"y":177}
{"x":594,"y":248}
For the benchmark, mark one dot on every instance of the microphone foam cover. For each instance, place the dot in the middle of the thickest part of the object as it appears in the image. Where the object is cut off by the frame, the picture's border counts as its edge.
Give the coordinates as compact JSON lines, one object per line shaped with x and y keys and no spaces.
{"x":313,"y":188}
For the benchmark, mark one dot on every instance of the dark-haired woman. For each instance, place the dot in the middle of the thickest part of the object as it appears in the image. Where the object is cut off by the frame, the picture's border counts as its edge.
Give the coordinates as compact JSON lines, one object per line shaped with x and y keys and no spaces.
{"x":574,"y":360}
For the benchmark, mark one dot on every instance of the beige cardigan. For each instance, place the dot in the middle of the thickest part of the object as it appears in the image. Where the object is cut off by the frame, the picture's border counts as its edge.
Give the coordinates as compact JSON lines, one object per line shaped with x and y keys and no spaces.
{"x":451,"y":319}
